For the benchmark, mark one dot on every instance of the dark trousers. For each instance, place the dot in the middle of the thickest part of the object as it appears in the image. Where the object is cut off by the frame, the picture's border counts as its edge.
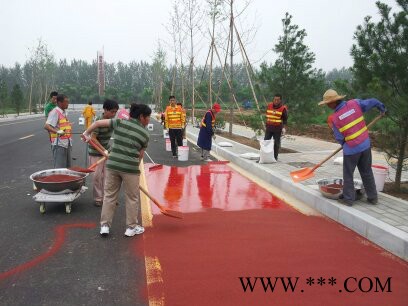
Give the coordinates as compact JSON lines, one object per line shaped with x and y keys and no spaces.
{"x":362,"y":161}
{"x":276,"y":133}
{"x":176,"y":139}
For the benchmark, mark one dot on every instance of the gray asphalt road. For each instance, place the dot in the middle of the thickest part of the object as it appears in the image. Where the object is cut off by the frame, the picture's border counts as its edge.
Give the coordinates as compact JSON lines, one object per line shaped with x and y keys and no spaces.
{"x":42,"y":265}
{"x":86,"y":269}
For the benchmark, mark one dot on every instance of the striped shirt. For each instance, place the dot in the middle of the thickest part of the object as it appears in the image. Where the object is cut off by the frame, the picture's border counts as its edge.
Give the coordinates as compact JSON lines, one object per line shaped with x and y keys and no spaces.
{"x":130,"y":137}
{"x":103,"y":135}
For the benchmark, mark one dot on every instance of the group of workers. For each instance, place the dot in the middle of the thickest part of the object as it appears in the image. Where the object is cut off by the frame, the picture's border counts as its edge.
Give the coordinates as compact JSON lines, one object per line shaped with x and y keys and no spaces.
{"x":119,"y":163}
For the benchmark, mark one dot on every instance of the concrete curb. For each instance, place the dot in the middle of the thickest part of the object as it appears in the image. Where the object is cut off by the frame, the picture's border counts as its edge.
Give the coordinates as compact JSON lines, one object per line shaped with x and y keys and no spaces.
{"x":13,"y":117}
{"x":379,"y":232}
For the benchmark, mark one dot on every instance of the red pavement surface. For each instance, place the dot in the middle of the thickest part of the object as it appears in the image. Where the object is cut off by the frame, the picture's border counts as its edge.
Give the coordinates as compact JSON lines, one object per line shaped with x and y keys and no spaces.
{"x":234,"y":228}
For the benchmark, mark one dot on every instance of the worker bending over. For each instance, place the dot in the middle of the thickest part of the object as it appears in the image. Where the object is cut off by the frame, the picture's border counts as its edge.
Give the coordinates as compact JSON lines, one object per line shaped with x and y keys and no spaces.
{"x":351,"y":132}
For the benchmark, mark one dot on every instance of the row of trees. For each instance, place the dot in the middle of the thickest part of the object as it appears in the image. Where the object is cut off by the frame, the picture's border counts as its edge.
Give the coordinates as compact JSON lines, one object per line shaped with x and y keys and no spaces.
{"x":380,"y":69}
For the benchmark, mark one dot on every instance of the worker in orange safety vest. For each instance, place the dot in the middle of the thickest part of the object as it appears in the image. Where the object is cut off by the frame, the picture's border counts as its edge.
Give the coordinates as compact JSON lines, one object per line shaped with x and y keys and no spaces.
{"x":174,"y":122}
{"x":276,"y":120}
{"x":350,"y":130}
{"x":60,"y":129}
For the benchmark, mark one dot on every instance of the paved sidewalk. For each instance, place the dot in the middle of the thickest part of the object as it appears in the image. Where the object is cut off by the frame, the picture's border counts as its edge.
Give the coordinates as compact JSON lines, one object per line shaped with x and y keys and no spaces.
{"x":13,"y":117}
{"x":385,"y":224}
{"x":314,"y":150}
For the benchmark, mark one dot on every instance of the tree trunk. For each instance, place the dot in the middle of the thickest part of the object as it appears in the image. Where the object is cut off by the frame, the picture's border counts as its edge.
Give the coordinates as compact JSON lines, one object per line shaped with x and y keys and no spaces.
{"x":31,"y":90}
{"x":401,"y":156}
{"x":231,"y":70}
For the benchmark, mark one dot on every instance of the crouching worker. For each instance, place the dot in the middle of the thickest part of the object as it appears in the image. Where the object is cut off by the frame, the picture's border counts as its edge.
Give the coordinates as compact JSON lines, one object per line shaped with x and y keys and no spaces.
{"x":101,"y":136}
{"x":351,"y":132}
{"x":122,"y":166}
{"x":207,"y":131}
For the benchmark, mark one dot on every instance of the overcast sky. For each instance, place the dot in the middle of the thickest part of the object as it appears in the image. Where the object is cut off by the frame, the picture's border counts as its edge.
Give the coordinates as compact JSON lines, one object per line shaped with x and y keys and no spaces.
{"x":130,"y":29}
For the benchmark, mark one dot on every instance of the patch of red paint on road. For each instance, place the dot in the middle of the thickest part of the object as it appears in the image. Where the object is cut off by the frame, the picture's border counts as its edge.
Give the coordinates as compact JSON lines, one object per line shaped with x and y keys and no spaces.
{"x":196,"y":188}
{"x":58,"y":242}
{"x":203,"y":256}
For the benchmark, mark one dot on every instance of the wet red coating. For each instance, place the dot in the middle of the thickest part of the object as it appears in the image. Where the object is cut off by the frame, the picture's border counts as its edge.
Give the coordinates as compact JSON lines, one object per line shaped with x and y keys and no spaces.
{"x":252,"y":233}
{"x":332,"y":188}
{"x":57,"y":178}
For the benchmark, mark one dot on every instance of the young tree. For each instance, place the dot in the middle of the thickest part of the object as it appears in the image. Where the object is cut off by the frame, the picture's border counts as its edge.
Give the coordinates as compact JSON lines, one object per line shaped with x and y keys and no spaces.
{"x":3,"y":96}
{"x":158,"y":76}
{"x":380,"y":65}
{"x":193,"y":22}
{"x":17,"y":98}
{"x":292,"y":74}
{"x":42,"y":66}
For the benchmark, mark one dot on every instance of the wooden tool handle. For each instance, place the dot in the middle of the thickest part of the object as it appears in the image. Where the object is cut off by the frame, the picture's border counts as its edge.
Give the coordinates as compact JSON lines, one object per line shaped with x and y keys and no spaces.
{"x":91,"y":167}
{"x":98,"y":148}
{"x":151,"y":198}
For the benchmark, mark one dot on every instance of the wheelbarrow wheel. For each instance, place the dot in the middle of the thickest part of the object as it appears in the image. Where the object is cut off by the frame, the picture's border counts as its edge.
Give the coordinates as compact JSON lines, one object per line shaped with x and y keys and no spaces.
{"x":68,"y":208}
{"x":42,"y":208}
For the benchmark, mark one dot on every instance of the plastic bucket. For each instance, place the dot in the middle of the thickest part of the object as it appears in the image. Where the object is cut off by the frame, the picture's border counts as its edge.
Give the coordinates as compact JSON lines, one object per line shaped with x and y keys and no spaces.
{"x":166,"y":134}
{"x":168,"y":145}
{"x":185,"y":142}
{"x":81,"y":120}
{"x":380,"y":173}
{"x":183,"y":153}
{"x":150,"y":127}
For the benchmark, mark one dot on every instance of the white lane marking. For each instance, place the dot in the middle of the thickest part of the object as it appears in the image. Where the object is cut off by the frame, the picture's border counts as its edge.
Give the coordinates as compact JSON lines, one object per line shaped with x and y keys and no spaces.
{"x":25,"y":137}
{"x":22,"y":121}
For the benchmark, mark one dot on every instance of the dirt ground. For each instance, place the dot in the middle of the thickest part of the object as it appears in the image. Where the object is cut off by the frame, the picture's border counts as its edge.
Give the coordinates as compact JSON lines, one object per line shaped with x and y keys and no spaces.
{"x":403,"y":194}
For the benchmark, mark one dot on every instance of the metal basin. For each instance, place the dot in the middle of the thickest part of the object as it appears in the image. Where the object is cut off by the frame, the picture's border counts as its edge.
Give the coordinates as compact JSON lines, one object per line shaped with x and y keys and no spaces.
{"x":328,"y":190}
{"x":68,"y":186}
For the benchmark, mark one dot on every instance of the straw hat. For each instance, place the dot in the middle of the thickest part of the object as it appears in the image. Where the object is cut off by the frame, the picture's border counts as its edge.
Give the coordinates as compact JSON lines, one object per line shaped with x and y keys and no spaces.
{"x":330,"y":96}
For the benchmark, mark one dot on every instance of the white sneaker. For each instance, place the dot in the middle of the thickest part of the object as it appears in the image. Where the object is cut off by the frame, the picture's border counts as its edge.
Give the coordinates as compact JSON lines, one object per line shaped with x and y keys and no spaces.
{"x":134,"y":231}
{"x":104,"y":230}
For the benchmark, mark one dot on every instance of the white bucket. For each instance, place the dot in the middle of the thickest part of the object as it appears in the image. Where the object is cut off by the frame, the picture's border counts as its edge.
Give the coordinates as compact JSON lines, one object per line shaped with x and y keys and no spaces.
{"x":150,"y":127}
{"x":166,"y":134}
{"x":185,"y":142}
{"x":183,"y":153}
{"x":380,"y":173}
{"x":81,"y":120}
{"x":168,"y":145}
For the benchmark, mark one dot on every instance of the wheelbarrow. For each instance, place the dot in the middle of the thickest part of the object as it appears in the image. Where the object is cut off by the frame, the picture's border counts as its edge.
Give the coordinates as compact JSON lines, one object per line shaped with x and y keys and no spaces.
{"x":64,"y":191}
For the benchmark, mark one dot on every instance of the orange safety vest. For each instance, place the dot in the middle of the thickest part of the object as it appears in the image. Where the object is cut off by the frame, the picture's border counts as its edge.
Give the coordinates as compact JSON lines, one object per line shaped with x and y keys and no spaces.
{"x":274,"y":115}
{"x":202,"y":124}
{"x":174,"y":117}
{"x":63,"y":124}
{"x":349,"y":120}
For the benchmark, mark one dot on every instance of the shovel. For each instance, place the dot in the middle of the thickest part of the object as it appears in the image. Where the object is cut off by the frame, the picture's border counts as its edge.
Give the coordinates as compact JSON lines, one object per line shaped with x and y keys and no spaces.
{"x":155,"y":166}
{"x":163,"y":210}
{"x":306,"y":173}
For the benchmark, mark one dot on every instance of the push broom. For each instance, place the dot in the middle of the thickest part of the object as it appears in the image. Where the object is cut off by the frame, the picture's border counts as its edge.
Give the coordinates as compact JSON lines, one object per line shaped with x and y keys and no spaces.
{"x":155,"y":166}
